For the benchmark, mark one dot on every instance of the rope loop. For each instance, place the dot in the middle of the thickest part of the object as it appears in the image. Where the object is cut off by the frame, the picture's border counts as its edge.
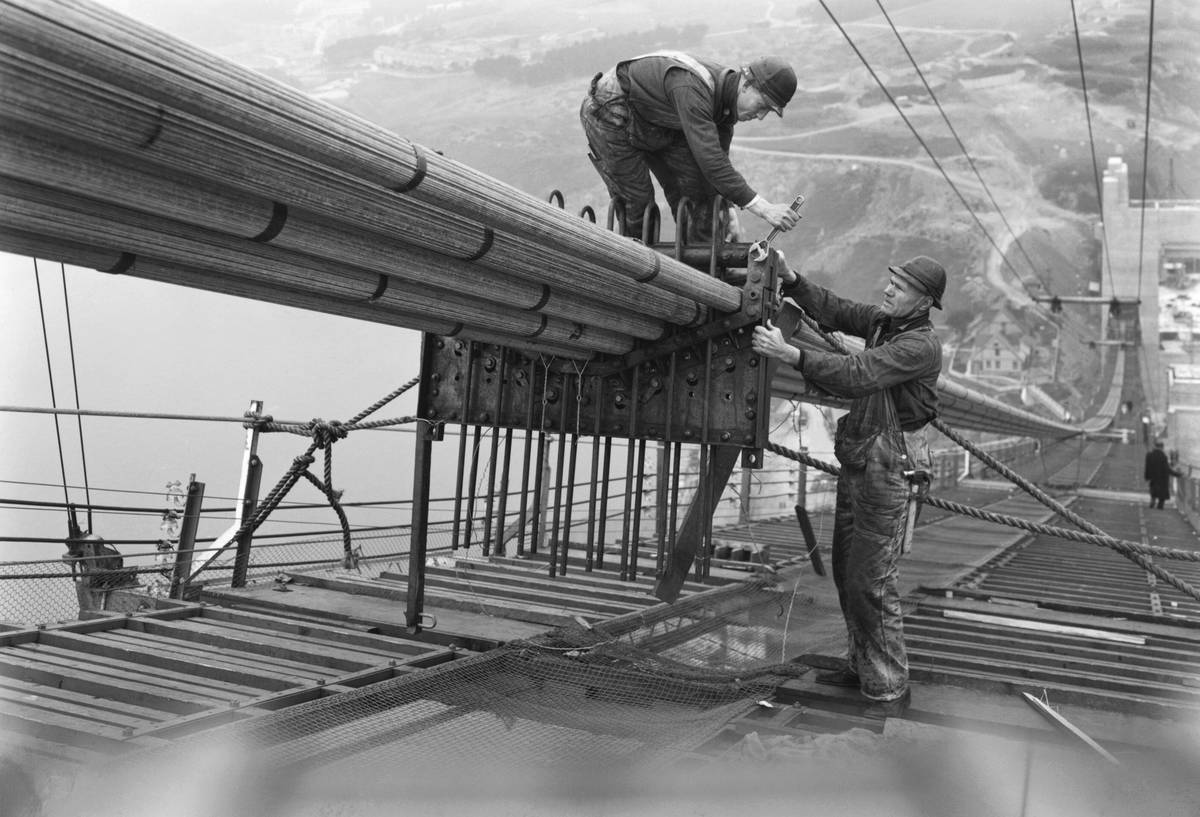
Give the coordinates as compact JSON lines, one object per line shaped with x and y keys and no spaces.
{"x":326,"y":433}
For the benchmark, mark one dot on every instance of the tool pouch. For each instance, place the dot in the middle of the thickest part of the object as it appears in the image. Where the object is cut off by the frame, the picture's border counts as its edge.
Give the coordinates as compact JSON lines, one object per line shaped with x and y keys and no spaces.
{"x":869,"y":431}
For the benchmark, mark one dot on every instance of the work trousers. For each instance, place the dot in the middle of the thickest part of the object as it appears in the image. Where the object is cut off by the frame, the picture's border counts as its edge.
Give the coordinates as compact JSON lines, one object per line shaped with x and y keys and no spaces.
{"x":868,"y":533}
{"x":626,"y":151}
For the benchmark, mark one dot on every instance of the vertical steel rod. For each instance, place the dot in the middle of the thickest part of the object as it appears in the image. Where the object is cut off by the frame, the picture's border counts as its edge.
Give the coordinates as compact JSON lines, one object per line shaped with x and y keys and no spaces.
{"x":470,"y":526}
{"x":604,"y":487}
{"x":502,"y":511}
{"x":676,"y":454}
{"x":491,"y":492}
{"x":637,"y":510}
{"x":535,"y":527}
{"x":558,"y":479}
{"x":418,"y":544}
{"x":522,"y":514}
{"x":462,"y":445}
{"x":628,"y":510}
{"x":187,"y":538}
{"x":249,"y":500}
{"x":590,"y":561}
{"x":566,"y":539}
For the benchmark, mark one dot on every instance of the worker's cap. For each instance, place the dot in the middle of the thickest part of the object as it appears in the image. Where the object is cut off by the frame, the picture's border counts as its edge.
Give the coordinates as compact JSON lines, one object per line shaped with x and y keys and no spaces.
{"x":926,"y":274}
{"x":775,"y":78}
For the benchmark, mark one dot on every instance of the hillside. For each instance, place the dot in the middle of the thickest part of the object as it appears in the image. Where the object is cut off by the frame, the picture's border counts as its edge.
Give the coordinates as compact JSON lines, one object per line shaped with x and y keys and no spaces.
{"x":497,"y":85}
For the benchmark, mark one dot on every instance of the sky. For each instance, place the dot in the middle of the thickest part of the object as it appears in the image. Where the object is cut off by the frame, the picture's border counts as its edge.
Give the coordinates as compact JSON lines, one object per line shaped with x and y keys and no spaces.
{"x":141,"y":346}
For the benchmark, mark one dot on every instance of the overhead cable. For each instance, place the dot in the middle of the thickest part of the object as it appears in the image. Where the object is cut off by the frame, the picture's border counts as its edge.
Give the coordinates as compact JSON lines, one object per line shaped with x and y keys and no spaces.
{"x":1146,"y":151}
{"x":62,"y":464}
{"x":966,"y":153}
{"x":922,"y":142}
{"x":75,"y":381}
{"x":1087,"y":111}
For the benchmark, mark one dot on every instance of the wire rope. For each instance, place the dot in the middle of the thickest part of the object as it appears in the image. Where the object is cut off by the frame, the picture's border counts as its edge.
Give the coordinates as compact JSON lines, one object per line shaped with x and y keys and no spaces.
{"x":966,"y":153}
{"x":1146,"y":151}
{"x":924,"y":144}
{"x":1087,"y":111}
{"x":87,"y":493}
{"x":62,"y":464}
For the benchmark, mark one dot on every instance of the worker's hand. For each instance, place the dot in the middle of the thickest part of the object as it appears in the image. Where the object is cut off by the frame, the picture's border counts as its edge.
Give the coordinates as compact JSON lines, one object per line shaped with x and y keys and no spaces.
{"x":733,"y":225}
{"x":777,"y":215}
{"x":768,"y":341}
{"x":787,"y":275}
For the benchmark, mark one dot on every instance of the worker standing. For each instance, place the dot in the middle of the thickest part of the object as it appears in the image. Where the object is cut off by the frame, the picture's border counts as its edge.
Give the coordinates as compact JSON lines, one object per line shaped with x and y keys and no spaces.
{"x":881,"y":445}
{"x":673,"y":115}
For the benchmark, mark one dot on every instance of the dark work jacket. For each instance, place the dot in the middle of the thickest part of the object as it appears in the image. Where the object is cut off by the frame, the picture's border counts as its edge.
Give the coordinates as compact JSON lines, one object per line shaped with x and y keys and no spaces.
{"x":666,"y":99}
{"x":905,"y":355}
{"x":1158,"y":473}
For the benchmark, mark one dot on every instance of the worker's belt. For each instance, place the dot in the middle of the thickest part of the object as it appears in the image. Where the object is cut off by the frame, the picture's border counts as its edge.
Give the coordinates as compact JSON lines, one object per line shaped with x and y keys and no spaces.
{"x":609,"y":99}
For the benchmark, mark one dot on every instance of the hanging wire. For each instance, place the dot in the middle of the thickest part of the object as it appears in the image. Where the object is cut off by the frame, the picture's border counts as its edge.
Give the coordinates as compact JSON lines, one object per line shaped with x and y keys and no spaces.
{"x":37,"y":278}
{"x":966,"y":153}
{"x":928,"y":150}
{"x":1087,"y":110}
{"x":1146,"y":151}
{"x":87,"y":493}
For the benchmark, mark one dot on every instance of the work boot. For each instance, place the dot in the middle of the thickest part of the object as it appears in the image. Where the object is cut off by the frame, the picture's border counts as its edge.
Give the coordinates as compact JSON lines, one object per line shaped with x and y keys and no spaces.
{"x":839,"y":678}
{"x":896,"y":708}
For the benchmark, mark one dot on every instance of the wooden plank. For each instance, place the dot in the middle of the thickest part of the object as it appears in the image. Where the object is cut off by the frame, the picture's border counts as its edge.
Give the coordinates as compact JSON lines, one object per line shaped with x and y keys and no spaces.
{"x":190,"y":666}
{"x":294,"y":671}
{"x":1047,"y":627}
{"x":529,"y":613}
{"x":56,"y":702}
{"x":62,"y":727}
{"x":528,"y":572}
{"x":102,"y":685}
{"x":1123,"y":664}
{"x":1183,"y":632}
{"x":180,"y":727}
{"x":120,"y":709}
{"x":327,"y":632}
{"x":1149,"y":656}
{"x":365,"y":655}
{"x":257,"y":643}
{"x":494,"y":588}
{"x":1068,"y":727}
{"x":608,"y":589}
{"x":1022,"y":674}
{"x":59,"y":657}
{"x":461,"y":629}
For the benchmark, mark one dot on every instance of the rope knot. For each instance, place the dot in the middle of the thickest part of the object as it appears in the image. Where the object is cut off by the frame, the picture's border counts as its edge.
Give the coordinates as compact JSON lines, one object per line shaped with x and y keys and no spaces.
{"x":259,"y":422}
{"x":325,"y":433}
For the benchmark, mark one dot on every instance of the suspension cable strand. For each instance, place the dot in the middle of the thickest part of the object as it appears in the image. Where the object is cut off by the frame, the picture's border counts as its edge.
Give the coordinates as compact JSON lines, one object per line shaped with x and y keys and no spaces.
{"x":1146,"y":151}
{"x":928,"y":150}
{"x":1087,"y":112}
{"x":945,"y":118}
{"x":87,"y":493}
{"x":62,"y":464}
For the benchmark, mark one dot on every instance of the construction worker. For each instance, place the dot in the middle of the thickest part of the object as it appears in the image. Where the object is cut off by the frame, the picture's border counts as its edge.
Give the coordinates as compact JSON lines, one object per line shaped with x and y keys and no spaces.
{"x":673,"y":115}
{"x":884,"y":455}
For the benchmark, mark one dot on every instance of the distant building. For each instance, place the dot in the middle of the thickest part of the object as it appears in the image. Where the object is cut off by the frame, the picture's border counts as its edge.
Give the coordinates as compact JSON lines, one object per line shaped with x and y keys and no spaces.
{"x":997,"y":346}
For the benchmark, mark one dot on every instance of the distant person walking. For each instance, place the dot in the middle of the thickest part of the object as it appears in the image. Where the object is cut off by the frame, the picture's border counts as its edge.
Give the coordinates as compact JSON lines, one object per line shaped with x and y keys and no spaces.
{"x":673,"y":115}
{"x":1158,"y":473}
